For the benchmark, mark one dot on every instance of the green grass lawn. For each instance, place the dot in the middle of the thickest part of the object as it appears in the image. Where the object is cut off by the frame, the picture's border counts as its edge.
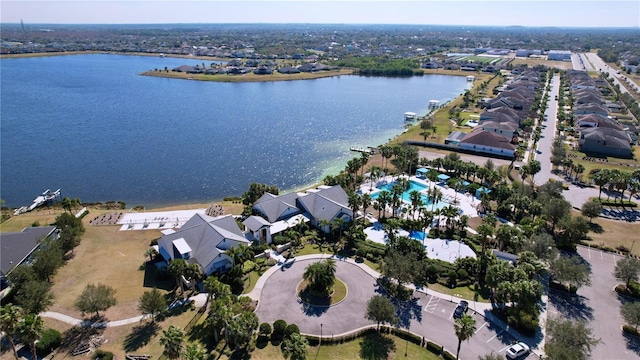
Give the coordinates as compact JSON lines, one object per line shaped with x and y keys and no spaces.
{"x":368,"y":347}
{"x":464,"y":292}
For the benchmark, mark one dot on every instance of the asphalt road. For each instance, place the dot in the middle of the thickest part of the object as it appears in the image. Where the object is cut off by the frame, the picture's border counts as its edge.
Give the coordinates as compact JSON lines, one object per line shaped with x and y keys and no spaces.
{"x":599,"y":306}
{"x":427,"y":315}
{"x":543,"y":151}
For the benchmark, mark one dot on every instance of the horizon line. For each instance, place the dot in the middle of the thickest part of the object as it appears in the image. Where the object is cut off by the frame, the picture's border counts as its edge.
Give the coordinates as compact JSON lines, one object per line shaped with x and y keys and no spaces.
{"x":332,"y":24}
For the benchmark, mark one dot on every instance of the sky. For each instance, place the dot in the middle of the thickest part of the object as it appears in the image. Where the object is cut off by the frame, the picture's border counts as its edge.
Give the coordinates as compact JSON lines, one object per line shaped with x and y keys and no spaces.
{"x":568,"y":13}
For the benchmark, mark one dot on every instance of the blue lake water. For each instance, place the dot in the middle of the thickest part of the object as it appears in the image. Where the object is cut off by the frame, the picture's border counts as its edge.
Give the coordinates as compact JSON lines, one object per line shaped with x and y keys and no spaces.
{"x":90,"y":125}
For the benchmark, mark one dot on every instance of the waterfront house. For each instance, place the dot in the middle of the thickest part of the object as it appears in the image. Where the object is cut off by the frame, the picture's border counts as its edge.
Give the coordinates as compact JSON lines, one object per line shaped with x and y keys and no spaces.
{"x":488,"y":142}
{"x":203,"y":240}
{"x":17,"y":247}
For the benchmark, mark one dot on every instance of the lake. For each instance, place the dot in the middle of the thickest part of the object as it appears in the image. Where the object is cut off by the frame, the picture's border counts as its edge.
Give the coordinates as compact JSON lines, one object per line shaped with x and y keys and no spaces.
{"x":91,"y":126}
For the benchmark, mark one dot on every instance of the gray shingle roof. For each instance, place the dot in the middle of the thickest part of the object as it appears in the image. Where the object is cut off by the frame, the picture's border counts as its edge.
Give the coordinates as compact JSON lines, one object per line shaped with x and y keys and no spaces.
{"x":488,"y":138}
{"x":326,"y":202}
{"x":15,"y":247}
{"x":274,"y":207}
{"x":204,"y":235}
{"x":255,"y":222}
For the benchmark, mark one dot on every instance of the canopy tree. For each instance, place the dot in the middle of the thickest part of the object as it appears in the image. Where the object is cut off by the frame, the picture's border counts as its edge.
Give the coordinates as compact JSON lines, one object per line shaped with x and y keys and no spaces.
{"x":380,"y":309}
{"x":321,"y":276}
{"x":10,"y":316}
{"x":567,"y":339}
{"x":627,"y":270}
{"x":95,"y":297}
{"x":152,"y":303}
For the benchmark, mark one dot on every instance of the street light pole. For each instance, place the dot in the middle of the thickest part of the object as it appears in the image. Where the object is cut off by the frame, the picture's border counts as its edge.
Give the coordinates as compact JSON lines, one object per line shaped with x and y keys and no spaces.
{"x":320,"y":333}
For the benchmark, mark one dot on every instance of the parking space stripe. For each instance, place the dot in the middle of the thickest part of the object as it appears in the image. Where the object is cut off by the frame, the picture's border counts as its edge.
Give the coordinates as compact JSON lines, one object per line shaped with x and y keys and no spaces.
{"x":481,"y":326}
{"x":494,"y":336}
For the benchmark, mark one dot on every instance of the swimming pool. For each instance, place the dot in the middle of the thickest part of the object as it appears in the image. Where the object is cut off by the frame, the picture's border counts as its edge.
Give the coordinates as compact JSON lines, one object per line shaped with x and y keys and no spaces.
{"x":405,"y":195}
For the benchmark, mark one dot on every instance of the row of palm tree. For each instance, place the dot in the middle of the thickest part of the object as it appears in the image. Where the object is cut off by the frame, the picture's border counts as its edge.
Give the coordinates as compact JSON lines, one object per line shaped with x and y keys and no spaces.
{"x":617,"y":182}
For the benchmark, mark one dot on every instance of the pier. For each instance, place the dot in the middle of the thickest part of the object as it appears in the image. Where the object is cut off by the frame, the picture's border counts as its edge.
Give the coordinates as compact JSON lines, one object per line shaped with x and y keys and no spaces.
{"x":46,"y":197}
{"x":410,"y":116}
{"x":369,"y":150}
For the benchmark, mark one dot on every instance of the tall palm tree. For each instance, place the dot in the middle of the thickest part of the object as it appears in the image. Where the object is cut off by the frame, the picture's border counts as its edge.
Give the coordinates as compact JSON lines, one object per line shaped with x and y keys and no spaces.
{"x":465,"y":327}
{"x":601,"y":178}
{"x":384,"y":198}
{"x":30,"y":328}
{"x":217,"y":290}
{"x":177,"y":268}
{"x":172,"y":340}
{"x":220,"y":315}
{"x":416,"y":201}
{"x":10,"y":316}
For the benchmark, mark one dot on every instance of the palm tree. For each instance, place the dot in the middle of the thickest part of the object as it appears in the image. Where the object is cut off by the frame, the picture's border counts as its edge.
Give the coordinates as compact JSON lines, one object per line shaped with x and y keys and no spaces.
{"x":321,"y":276}
{"x":177,"y":268}
{"x":416,"y":201}
{"x":194,"y":352}
{"x":601,"y":178}
{"x":465,"y":327}
{"x":579,"y":169}
{"x":337,"y":224}
{"x":66,"y":204}
{"x":150,"y":252}
{"x":220,"y":315}
{"x":384,"y":199}
{"x":217,"y":290}
{"x":172,"y":340}
{"x":9,"y":320}
{"x":30,"y":328}
{"x":365,"y":201}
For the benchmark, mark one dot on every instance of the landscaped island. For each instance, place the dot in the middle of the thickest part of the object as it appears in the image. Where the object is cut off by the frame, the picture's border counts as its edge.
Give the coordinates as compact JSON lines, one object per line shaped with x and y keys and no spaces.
{"x":247,"y":77}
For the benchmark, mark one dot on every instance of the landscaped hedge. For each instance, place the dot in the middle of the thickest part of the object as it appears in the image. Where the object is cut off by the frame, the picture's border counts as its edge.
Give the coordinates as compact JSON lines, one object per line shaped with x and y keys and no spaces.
{"x":630,"y":330}
{"x":102,"y":355}
{"x":633,"y":290}
{"x":558,"y":286}
{"x":624,"y":203}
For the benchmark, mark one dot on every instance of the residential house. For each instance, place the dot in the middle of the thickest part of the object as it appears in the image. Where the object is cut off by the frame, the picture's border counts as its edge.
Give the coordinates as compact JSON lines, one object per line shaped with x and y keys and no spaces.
{"x":488,"y":142}
{"x":258,"y":228}
{"x":605,"y":141}
{"x":17,"y":247}
{"x":203,"y":240}
{"x":590,"y":109}
{"x":595,"y":120}
{"x":507,"y":129}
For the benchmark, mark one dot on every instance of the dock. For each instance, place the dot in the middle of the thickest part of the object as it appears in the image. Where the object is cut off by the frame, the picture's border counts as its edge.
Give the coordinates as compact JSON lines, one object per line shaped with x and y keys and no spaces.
{"x":410,"y":116}
{"x":368,"y":150}
{"x":46,"y":197}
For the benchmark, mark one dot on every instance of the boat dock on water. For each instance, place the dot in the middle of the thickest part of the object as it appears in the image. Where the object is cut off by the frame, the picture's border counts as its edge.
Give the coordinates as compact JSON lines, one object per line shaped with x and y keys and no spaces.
{"x":46,"y":197}
{"x":368,"y":150}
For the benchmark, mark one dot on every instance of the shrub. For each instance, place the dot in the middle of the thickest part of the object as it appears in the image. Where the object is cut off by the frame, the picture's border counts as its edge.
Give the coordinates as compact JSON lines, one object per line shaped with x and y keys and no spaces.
{"x":102,"y":355}
{"x":248,"y":266}
{"x":524,"y":321}
{"x":265,"y":329}
{"x":434,"y":348}
{"x":279,"y":326}
{"x":462,"y":274}
{"x":291,"y":329}
{"x":452,"y":278}
{"x":49,"y":339}
{"x":630,"y":330}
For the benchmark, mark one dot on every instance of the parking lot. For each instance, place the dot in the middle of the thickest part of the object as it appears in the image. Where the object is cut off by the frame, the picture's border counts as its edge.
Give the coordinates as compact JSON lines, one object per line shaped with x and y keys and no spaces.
{"x":437,"y":324}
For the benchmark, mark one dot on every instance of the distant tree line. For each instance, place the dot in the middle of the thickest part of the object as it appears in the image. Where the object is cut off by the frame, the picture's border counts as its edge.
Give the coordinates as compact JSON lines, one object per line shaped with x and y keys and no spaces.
{"x":377,"y":66}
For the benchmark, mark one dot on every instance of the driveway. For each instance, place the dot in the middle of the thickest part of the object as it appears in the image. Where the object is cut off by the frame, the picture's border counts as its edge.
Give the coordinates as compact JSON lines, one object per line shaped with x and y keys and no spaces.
{"x":598,"y":305}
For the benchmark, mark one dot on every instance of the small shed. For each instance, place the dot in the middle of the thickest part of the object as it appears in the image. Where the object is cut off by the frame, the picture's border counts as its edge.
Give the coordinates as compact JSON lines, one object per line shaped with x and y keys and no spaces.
{"x":443,"y":177}
{"x":434,"y":104}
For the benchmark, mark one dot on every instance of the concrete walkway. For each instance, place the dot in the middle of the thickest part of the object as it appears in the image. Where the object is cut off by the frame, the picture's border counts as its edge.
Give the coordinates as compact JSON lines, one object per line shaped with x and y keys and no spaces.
{"x":101,"y":324}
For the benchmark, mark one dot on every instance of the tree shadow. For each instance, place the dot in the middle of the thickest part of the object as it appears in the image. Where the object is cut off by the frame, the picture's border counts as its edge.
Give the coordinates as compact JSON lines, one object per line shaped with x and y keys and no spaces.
{"x":199,"y":332}
{"x":140,"y":336}
{"x":153,"y":277}
{"x":407,"y":311}
{"x":376,"y":347}
{"x":570,"y":305}
{"x":313,"y":310}
{"x":596,"y":228}
{"x":77,"y":335}
{"x":633,"y":342}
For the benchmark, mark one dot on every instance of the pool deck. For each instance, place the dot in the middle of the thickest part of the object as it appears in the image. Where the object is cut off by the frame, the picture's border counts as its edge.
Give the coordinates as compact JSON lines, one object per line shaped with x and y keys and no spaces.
{"x":465,"y":202}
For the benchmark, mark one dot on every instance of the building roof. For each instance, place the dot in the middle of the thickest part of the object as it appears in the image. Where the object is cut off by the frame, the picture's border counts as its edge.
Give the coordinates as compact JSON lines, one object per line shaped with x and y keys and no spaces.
{"x":15,"y":247}
{"x":599,"y":120}
{"x":499,"y":125}
{"x":203,"y":235}
{"x":326,"y":202}
{"x":488,"y":138}
{"x":275,"y":206}
{"x":591,"y":108}
{"x":254,"y":223}
{"x":455,"y":136}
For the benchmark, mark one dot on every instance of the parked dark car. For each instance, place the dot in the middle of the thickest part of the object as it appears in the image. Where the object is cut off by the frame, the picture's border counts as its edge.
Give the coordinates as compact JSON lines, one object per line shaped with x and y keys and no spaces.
{"x":461,"y":309}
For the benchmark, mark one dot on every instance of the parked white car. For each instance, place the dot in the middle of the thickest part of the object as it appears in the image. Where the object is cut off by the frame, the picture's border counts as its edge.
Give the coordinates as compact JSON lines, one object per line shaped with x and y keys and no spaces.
{"x":517,"y":350}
